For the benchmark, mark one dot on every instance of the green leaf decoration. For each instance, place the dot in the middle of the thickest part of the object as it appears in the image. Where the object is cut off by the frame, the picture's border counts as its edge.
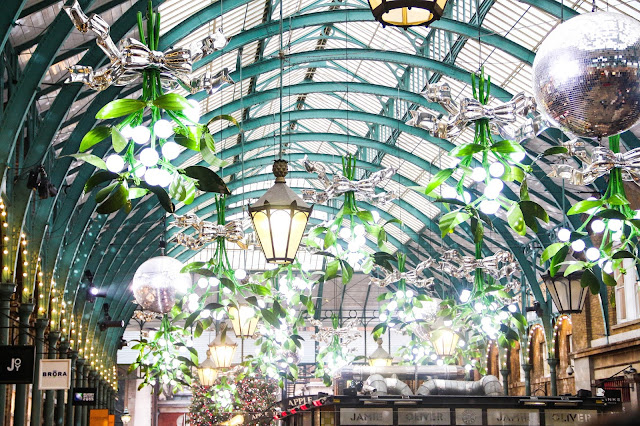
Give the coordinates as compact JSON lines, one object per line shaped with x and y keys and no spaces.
{"x":194,"y":316}
{"x":104,"y":192}
{"x":347,"y":272}
{"x":118,"y":141}
{"x":575,"y":266}
{"x":332,"y":269}
{"x":450,"y":201}
{"x":590,"y":280}
{"x":617,"y":200}
{"x":162,"y":195}
{"x":365,"y":216}
{"x":516,"y":219}
{"x":512,"y":173}
{"x":91,"y":159}
{"x":207,"y":179}
{"x":118,"y":198}
{"x":379,"y":330}
{"x":555,"y":150}
{"x":190,"y":267}
{"x":532,"y":210}
{"x":623,"y":254}
{"x":94,"y":136}
{"x":198,"y":331}
{"x":225,"y":117}
{"x":506,"y":147}
{"x":611,"y":214}
{"x":329,"y":239}
{"x":137,"y":193}
{"x":584,"y":205}
{"x":99,"y":177}
{"x":557,"y":260}
{"x":186,"y":138}
{"x":608,"y":280}
{"x":477,"y":230}
{"x":467,"y":149}
{"x":449,"y":221}
{"x":437,"y":180}
{"x":172,"y":102}
{"x":270,"y":317}
{"x":120,"y":108}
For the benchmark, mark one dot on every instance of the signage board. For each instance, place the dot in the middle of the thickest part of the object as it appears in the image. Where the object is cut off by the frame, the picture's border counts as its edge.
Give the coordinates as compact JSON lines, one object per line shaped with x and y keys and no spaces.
{"x":424,"y":416}
{"x":16,"y":364}
{"x":613,"y":396}
{"x":366,"y":416}
{"x":99,"y":417}
{"x":84,"y":396}
{"x":468,"y":416}
{"x":54,"y":374}
{"x":299,"y":400}
{"x":569,"y":417}
{"x":512,"y":416}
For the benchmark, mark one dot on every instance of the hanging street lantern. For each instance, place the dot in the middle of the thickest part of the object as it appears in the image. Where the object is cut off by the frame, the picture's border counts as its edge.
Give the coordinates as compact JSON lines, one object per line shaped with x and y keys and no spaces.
{"x":207,"y":372}
{"x":280,"y":218}
{"x":222,"y":350}
{"x":445,"y":341}
{"x":407,"y":13}
{"x":243,"y":320}
{"x":380,"y":357}
{"x":125,"y":418}
{"x":566,"y":292}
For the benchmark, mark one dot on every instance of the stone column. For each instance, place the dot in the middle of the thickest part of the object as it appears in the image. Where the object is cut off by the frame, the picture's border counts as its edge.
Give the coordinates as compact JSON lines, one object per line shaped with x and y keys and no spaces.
{"x":6,"y":291}
{"x":60,"y":400}
{"x":553,"y":363}
{"x":20,"y":405}
{"x":527,"y":378}
{"x":49,"y":395}
{"x":69,"y":405}
{"x":505,"y":380}
{"x":36,"y":394}
{"x":77,"y":411}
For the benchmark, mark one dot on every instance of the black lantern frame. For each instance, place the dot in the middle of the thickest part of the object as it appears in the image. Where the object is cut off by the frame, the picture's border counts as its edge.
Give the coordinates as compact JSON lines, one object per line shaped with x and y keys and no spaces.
{"x":407,"y":13}
{"x":566,"y":292}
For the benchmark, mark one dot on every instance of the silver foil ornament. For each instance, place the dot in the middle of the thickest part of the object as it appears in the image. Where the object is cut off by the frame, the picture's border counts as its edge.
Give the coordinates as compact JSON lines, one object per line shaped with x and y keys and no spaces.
{"x":207,"y":232}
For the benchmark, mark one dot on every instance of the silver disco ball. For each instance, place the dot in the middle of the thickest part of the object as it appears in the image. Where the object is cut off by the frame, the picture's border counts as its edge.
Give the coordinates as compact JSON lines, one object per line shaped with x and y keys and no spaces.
{"x":157,"y":282}
{"x":586,"y":74}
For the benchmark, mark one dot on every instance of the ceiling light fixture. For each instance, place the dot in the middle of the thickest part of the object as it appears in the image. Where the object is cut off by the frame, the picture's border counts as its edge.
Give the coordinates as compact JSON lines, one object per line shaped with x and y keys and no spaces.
{"x":407,"y":13}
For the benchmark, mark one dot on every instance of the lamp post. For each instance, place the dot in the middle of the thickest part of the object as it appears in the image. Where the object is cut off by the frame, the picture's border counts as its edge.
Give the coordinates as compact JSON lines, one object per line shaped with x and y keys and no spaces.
{"x":445,"y":341}
{"x":567,"y":293}
{"x":280,"y":218}
{"x":407,"y":13}
{"x":380,"y":357}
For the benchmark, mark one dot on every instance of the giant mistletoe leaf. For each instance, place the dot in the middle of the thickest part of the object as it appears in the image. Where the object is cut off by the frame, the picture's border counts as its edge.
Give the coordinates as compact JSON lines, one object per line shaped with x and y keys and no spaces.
{"x":119,"y":108}
{"x":207,"y":179}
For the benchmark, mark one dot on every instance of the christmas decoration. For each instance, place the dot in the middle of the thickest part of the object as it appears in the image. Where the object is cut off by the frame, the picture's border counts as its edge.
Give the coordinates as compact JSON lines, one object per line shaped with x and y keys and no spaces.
{"x":252,"y":397}
{"x":156,"y":283}
{"x":128,"y":63}
{"x":585,"y":74}
{"x":207,"y":232}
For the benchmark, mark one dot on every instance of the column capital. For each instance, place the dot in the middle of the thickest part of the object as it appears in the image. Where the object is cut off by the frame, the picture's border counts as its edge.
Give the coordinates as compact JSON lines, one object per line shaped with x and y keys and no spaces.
{"x":25,"y":310}
{"x":553,"y":362}
{"x":527,"y":367}
{"x":7,"y":290}
{"x":41,"y":323}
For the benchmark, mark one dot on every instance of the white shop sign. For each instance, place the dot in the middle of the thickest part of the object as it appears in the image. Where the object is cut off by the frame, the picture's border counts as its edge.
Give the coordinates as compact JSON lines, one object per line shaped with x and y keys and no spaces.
{"x":468,"y":416}
{"x":366,"y":416}
{"x":569,"y":417}
{"x":505,"y":416}
{"x":424,"y":416}
{"x":54,"y":374}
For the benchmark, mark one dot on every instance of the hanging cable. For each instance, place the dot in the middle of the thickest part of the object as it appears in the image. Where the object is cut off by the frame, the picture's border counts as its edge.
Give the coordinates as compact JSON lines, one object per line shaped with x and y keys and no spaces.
{"x":281,"y":56}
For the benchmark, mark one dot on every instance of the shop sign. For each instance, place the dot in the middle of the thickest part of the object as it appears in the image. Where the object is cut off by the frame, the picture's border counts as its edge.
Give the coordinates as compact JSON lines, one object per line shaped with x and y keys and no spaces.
{"x":300,"y":400}
{"x":505,"y":416}
{"x":468,"y":416}
{"x":569,"y":417}
{"x":55,"y":374}
{"x":366,"y":416}
{"x":16,"y":364}
{"x":613,"y":396}
{"x":424,"y":416}
{"x":84,"y":396}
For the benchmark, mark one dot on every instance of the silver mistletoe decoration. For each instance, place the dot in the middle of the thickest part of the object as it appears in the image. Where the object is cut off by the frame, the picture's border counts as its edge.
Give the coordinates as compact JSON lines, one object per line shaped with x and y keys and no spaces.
{"x":207,"y":232}
{"x":502,"y":118}
{"x":127,"y":61}
{"x":364,"y":190}
{"x":599,"y":162}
